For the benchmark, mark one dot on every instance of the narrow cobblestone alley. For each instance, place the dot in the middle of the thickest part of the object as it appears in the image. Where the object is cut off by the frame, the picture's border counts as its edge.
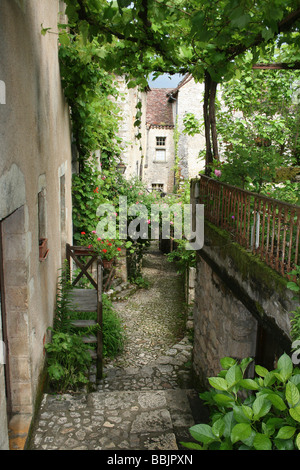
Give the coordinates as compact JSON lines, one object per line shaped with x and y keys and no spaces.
{"x":144,"y":400}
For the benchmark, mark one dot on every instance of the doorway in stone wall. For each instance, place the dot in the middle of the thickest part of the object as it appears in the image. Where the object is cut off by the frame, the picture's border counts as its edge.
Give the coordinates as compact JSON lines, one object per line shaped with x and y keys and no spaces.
{"x":270,"y":345}
{"x":3,"y":323}
{"x":15,"y":262}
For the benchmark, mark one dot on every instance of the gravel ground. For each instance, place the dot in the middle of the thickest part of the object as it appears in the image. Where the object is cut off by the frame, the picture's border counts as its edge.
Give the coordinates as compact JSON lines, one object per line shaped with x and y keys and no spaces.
{"x":154,"y":318}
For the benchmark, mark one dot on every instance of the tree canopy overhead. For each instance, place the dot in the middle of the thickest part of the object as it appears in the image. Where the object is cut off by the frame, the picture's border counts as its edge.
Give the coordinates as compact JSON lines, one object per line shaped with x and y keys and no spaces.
{"x":206,"y":38}
{"x":182,"y":35}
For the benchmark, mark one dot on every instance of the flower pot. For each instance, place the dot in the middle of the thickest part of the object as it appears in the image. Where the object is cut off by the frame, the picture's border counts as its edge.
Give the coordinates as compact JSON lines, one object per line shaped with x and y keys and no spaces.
{"x":43,"y":249}
{"x":107,"y":264}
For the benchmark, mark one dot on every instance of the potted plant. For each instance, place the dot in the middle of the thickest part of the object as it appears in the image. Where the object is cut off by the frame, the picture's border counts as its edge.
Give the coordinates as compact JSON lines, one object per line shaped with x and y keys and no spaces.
{"x":108,"y":249}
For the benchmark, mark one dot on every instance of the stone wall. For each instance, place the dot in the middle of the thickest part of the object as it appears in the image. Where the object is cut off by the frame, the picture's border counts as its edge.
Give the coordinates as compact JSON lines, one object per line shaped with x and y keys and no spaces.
{"x":190,"y":100}
{"x":35,"y":168}
{"x":223,"y":326}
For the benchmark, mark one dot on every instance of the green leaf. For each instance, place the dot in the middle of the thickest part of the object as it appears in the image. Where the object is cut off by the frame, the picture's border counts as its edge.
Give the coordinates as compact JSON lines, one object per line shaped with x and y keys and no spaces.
{"x":227,"y":362}
{"x":285,"y":367}
{"x":247,"y":411}
{"x":298,"y":441}
{"x":269,"y":379}
{"x":241,"y":21}
{"x":229,"y":423}
{"x":276,"y":401}
{"x":295,"y":413}
{"x":218,"y":427}
{"x":218,"y":383}
{"x":240,"y":432}
{"x":233,"y":376}
{"x":293,"y":286}
{"x":202,"y":433}
{"x":284,"y":444}
{"x":286,"y":432}
{"x":262,"y":442}
{"x":292,"y":394}
{"x":261,"y":406}
{"x":240,"y":416}
{"x":223,"y":400}
{"x":249,"y":384}
{"x":261,"y":371}
{"x":192,"y":445}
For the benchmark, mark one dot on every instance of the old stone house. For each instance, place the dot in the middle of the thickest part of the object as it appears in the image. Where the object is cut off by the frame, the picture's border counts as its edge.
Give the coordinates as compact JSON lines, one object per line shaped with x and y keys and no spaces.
{"x":160,"y":150}
{"x":162,"y":141}
{"x":35,"y":202}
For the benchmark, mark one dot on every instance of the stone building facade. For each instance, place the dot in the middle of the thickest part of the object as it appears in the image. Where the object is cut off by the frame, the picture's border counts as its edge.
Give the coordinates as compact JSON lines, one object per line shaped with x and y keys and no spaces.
{"x":35,"y":203}
{"x":160,"y":151}
{"x":188,"y":98}
{"x":152,"y":158}
{"x":133,"y":147}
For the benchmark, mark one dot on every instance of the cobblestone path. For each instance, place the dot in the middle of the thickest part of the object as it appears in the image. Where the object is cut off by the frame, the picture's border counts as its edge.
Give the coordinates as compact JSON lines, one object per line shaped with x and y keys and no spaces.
{"x":145,"y":400}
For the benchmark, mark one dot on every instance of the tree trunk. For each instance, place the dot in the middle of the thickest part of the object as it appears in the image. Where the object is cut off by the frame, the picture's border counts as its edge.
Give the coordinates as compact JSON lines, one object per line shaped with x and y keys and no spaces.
{"x":211,"y":140}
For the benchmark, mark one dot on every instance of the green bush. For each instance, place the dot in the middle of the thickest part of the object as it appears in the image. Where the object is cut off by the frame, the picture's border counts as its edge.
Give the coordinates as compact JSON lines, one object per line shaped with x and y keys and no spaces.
{"x":262,"y":413}
{"x":113,"y":330}
{"x":68,"y":361}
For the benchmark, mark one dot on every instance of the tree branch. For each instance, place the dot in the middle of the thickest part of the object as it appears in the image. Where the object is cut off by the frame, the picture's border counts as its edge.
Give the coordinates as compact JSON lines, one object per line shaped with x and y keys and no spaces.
{"x":277,"y":66}
{"x":283,"y":25}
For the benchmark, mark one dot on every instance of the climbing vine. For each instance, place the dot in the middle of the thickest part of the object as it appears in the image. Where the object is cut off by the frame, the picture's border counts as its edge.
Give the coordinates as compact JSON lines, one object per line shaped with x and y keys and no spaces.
{"x":91,"y":93}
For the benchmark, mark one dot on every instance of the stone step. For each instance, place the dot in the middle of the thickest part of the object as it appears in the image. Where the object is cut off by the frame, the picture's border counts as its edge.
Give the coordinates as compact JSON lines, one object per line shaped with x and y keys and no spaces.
{"x":124,"y":420}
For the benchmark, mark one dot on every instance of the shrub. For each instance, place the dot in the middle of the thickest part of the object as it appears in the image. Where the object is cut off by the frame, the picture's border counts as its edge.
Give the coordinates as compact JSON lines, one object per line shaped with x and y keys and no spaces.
{"x":251,"y":414}
{"x":68,"y":361}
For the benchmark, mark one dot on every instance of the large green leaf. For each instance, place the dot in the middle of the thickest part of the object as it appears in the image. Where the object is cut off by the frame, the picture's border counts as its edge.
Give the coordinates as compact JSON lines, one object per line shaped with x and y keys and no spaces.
{"x":292,"y":394}
{"x":295,"y":413}
{"x":218,"y":383}
{"x":233,"y":376}
{"x":262,"y":371}
{"x":262,"y":442}
{"x":285,"y":366}
{"x":202,"y":433}
{"x":242,"y":414}
{"x":249,"y":384}
{"x":261,"y":406}
{"x":276,"y":401}
{"x":286,"y":432}
{"x":240,"y":432}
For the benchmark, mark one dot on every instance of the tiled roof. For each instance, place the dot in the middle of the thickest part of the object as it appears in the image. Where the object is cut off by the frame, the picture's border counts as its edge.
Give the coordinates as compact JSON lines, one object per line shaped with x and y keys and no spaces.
{"x":159,"y":109}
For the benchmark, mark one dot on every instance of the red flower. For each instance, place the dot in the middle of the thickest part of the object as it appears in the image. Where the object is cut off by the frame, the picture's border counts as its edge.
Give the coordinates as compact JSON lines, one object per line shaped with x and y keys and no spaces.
{"x":119,"y":249}
{"x":82,"y":233}
{"x":104,"y":250}
{"x":96,"y":190}
{"x":109,"y":244}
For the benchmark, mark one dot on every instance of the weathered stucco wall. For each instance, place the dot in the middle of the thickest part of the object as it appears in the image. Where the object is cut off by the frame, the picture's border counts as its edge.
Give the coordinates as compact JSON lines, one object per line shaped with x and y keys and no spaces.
{"x":35,"y":157}
{"x":160,"y":172}
{"x":190,"y":100}
{"x":134,"y":149}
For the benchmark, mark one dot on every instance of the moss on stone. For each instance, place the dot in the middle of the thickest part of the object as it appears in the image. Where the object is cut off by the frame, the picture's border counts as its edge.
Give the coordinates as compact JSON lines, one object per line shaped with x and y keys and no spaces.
{"x":249,"y":265}
{"x":287,"y":173}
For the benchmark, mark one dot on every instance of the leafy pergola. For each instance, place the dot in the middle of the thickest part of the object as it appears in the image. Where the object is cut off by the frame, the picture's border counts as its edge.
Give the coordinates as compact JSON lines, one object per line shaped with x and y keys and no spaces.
{"x":206,"y":38}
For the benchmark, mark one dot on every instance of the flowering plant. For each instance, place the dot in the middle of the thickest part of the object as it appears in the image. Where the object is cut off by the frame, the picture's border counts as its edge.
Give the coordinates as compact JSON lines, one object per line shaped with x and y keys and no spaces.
{"x":107,"y":249}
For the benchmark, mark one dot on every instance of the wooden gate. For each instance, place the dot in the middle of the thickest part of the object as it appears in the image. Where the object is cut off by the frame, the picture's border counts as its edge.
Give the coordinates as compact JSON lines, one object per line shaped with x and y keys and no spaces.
{"x":88,"y":300}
